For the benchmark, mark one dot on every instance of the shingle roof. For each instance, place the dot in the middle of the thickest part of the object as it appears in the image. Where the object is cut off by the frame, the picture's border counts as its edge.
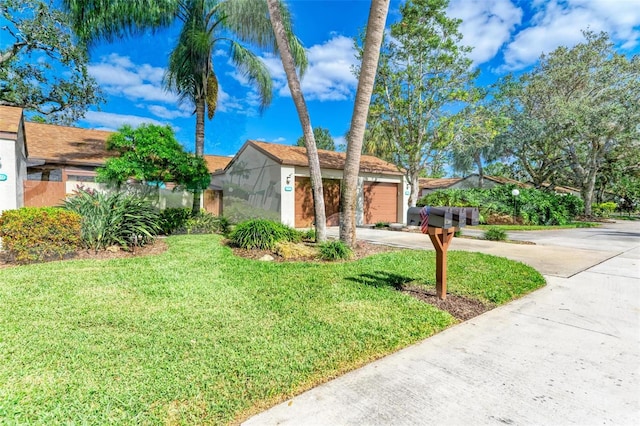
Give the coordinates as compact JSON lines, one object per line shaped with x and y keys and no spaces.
{"x":216,"y":162}
{"x":67,"y":145}
{"x":10,"y":119}
{"x":437,"y":183}
{"x":297,"y":156}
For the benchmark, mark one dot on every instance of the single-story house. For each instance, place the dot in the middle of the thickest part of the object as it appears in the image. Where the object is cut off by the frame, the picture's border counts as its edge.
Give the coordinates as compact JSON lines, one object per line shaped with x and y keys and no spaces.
{"x":58,"y":159}
{"x":272,"y":181}
{"x":429,"y":185}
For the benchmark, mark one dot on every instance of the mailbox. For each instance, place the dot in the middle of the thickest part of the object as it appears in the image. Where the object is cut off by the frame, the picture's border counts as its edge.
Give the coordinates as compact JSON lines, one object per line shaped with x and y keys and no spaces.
{"x":458,"y":215}
{"x":435,"y":217}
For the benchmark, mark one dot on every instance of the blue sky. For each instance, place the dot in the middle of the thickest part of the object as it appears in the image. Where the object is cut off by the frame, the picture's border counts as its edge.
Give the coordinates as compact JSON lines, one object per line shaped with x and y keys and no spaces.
{"x":507,"y":36}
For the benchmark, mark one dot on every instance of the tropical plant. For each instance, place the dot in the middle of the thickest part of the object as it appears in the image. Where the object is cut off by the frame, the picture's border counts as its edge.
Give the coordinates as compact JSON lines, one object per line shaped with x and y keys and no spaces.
{"x":334,"y":250}
{"x":172,"y":219}
{"x":114,"y":219}
{"x":58,"y":88}
{"x":366,"y":79}
{"x":495,"y":234}
{"x":206,"y":27}
{"x":205,"y":223}
{"x":262,"y":234}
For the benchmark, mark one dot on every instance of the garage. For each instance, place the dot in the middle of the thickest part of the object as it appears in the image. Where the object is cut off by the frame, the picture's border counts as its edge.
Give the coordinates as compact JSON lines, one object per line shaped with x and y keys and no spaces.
{"x":304,"y":214}
{"x":380,"y":202}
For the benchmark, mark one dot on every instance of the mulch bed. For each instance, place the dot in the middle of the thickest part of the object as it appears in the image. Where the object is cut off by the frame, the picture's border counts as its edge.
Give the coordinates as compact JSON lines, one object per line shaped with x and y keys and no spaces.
{"x":459,"y":307}
{"x":158,"y":247}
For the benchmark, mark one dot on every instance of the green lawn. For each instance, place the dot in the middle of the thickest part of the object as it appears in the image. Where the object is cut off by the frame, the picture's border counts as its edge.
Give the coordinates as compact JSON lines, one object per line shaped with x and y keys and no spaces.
{"x":196,"y":335}
{"x":571,"y":225}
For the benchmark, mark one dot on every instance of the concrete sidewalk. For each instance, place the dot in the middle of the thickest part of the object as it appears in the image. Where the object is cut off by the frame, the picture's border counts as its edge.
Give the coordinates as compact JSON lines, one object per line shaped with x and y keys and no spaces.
{"x":566,"y":354}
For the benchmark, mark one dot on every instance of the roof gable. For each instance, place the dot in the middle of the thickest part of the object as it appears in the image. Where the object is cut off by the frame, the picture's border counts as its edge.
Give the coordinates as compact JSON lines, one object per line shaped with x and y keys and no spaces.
{"x":67,"y":145}
{"x":437,"y":183}
{"x":297,"y":156}
{"x":10,"y":118}
{"x":216,"y":162}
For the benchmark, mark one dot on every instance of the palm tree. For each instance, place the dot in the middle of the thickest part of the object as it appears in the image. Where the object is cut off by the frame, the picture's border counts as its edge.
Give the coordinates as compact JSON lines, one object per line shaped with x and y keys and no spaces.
{"x":289,"y":66}
{"x":373,"y":41}
{"x":207,"y":24}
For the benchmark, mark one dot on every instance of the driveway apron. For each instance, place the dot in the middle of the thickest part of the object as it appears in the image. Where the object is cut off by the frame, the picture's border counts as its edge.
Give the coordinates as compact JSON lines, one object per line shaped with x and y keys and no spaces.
{"x":568,"y":353}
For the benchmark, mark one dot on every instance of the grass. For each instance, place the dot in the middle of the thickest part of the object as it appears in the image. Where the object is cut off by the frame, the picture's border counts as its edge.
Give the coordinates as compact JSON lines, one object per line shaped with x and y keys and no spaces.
{"x":198,"y":336}
{"x":539,"y":227}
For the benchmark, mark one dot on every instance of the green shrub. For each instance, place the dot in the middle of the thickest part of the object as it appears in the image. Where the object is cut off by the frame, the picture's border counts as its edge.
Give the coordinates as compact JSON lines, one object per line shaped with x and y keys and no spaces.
{"x":533,"y":206}
{"x":262,"y":234}
{"x":334,"y":250}
{"x":115,"y":219}
{"x":309,"y":235}
{"x":205,"y":223}
{"x":604,"y":209}
{"x":495,"y":234}
{"x":380,"y":225}
{"x":172,"y":219}
{"x":34,"y":234}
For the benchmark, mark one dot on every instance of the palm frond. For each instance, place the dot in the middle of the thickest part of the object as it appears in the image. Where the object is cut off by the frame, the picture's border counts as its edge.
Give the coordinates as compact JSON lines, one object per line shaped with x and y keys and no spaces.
{"x":255,"y":70}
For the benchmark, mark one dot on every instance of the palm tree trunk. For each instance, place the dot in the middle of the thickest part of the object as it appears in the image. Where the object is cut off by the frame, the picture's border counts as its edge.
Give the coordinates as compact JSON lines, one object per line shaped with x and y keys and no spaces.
{"x":373,"y":41}
{"x":200,"y":111}
{"x":303,"y":114}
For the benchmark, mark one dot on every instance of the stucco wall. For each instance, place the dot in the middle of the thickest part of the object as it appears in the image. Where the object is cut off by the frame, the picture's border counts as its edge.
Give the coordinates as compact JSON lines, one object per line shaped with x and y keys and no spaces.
{"x":252,"y":187}
{"x":13,"y":164}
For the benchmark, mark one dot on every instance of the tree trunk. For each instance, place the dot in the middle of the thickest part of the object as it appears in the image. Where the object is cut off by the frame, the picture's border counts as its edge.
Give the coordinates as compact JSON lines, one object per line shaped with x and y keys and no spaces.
{"x":200,"y":110}
{"x":587,"y":192}
{"x":303,"y":114}
{"x":414,"y":195}
{"x":348,"y":195}
{"x":478,"y":162}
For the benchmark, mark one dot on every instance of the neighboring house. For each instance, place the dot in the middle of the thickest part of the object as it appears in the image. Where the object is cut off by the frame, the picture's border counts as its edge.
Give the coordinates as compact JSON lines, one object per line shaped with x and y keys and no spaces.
{"x":272,"y":181}
{"x":13,"y":158}
{"x":62,"y":158}
{"x":429,"y":185}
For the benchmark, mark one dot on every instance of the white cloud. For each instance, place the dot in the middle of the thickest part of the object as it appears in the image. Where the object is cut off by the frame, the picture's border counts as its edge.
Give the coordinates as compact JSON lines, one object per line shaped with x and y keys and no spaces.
{"x":486,"y":25}
{"x":559,"y":23}
{"x":279,"y":140}
{"x":340,"y":143}
{"x":328,"y":76}
{"x":119,"y":76}
{"x":111,"y":121}
{"x":170,"y":114}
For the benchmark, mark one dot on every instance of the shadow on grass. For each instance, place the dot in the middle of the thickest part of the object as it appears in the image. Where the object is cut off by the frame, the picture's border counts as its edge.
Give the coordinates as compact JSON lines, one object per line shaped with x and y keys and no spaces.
{"x":382,"y":279}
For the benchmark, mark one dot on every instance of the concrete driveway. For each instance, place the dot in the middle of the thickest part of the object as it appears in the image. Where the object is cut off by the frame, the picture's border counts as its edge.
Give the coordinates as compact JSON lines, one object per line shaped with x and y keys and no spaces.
{"x":566,"y":354}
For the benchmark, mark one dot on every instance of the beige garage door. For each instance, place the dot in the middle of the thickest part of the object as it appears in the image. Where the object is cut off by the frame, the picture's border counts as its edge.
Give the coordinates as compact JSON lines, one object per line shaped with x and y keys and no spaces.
{"x":304,"y":202}
{"x":380,"y":202}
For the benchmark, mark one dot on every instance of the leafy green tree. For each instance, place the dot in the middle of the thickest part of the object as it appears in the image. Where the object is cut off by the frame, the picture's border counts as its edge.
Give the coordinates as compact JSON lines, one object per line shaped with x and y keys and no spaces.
{"x":585,"y":101}
{"x":151,"y":154}
{"x":42,"y":66}
{"x":423,"y":74}
{"x":474,"y":144}
{"x":323,"y":139}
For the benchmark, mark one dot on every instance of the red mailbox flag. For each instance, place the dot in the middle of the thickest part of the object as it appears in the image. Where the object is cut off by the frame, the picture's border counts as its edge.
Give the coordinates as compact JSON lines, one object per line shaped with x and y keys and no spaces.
{"x":424,"y":216}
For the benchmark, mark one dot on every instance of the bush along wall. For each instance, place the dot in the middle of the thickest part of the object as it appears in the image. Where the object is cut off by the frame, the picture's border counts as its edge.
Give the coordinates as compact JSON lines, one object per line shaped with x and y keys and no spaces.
{"x":532,"y":206}
{"x":33,"y":234}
